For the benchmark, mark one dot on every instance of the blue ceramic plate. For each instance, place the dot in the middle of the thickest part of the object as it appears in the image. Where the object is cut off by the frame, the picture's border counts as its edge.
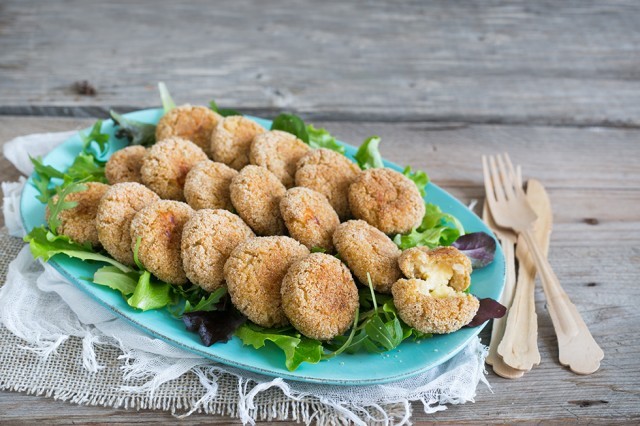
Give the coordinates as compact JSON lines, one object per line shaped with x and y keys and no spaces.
{"x":408,"y":359}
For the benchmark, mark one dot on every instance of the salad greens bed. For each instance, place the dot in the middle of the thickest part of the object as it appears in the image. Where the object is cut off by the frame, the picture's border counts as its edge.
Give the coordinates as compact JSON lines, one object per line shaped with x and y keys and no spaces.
{"x":377,"y":327}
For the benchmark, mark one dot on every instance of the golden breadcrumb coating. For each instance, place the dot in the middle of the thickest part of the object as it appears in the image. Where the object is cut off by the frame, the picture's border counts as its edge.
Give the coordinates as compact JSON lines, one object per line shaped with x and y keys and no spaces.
{"x":438,"y":310}
{"x":387,"y":200}
{"x":207,"y":241}
{"x":79,"y":222}
{"x":309,"y":217}
{"x":330,"y":173}
{"x":115,"y":211}
{"x":366,"y":249}
{"x":231,"y":140}
{"x":319,"y":296}
{"x":166,"y":164}
{"x":124,"y":165}
{"x":254,"y":273}
{"x":207,"y":186}
{"x":256,"y":194}
{"x":441,"y":264}
{"x":159,"y":226}
{"x":193,"y":123}
{"x":279,"y":152}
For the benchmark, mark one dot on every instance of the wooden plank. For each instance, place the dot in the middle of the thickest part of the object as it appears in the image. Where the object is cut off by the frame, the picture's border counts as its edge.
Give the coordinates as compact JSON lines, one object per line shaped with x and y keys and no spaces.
{"x":569,"y":63}
{"x":595,"y":193}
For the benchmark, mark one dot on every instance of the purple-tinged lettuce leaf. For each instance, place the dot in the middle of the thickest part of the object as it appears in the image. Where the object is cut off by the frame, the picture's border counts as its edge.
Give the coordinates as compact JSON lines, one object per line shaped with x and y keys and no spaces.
{"x":479,"y":247}
{"x":214,"y":326}
{"x":489,"y":309}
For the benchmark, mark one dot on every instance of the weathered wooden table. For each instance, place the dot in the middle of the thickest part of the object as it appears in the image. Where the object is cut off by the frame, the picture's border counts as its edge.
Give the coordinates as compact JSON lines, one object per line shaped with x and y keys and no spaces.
{"x":556,"y":84}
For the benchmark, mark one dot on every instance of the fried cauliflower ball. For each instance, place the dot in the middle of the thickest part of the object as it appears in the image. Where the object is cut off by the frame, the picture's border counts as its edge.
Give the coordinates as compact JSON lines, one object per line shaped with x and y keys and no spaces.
{"x":208,"y":238}
{"x":309,"y":217}
{"x":79,"y":222}
{"x":124,"y":165}
{"x":330,"y":173}
{"x":207,"y":186}
{"x":193,"y":123}
{"x":255,"y":194}
{"x":166,"y":164}
{"x":432,"y":308}
{"x":367,"y":249}
{"x":319,"y":296}
{"x":387,"y":200}
{"x":254,"y":273}
{"x":279,"y":152}
{"x":113,"y":220}
{"x":231,"y":140}
{"x":438,"y":266}
{"x":159,"y":227}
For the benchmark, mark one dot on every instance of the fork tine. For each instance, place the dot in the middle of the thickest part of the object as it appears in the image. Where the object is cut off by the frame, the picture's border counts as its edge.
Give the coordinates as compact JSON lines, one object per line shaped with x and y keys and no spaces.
{"x":507,"y":178}
{"x":488,"y":186}
{"x":497,"y":182}
{"x":516,"y":176}
{"x":519,"y":176}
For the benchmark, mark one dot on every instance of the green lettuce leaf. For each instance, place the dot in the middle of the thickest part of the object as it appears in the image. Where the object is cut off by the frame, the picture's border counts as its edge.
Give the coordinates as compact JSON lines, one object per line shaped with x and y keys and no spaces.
{"x":293,"y":124}
{"x":321,"y":138}
{"x":112,"y":277}
{"x":437,"y":229}
{"x":95,"y":135}
{"x":165,"y":97}
{"x":419,"y":177}
{"x":225,"y":112}
{"x":44,"y":245}
{"x":87,"y":168}
{"x":58,"y":205}
{"x":136,"y":132}
{"x":151,"y":294}
{"x":297,"y":349}
{"x":368,"y":155}
{"x":206,"y":303}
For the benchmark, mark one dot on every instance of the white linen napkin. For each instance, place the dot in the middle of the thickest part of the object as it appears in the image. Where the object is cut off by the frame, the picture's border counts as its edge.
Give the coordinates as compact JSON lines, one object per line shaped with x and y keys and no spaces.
{"x":40,"y":306}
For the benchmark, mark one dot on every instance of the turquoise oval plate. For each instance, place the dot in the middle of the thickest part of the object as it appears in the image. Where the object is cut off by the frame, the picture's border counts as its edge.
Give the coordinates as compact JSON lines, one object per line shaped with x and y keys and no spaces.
{"x":408,"y":359}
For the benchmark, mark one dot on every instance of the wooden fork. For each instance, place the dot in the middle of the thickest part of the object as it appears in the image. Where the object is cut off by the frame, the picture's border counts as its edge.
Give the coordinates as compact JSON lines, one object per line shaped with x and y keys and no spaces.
{"x":510,"y":209}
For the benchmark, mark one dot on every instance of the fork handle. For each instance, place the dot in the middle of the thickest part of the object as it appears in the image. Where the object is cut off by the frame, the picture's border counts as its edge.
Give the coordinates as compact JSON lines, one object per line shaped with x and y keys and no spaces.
{"x":560,"y":307}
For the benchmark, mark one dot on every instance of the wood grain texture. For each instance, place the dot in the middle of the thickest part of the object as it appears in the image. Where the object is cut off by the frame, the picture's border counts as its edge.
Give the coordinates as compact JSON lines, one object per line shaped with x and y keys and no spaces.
{"x":574,"y":62}
{"x":594,"y":185}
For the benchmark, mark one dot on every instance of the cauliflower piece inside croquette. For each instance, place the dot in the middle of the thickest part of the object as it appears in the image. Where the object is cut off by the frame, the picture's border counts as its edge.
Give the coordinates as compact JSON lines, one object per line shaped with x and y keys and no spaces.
{"x":124,"y":165}
{"x":207,"y":186}
{"x":330,"y":173}
{"x":387,"y":200}
{"x":438,"y":266}
{"x":433,"y":309}
{"x":254,"y":273}
{"x":79,"y":222}
{"x":367,"y":249}
{"x":319,"y":296}
{"x":115,"y":211}
{"x":255,"y":194}
{"x":159,"y":227}
{"x":193,"y":123}
{"x":208,"y":238}
{"x":279,"y":152}
{"x":166,"y":164}
{"x":231,"y":140}
{"x":309,"y":217}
